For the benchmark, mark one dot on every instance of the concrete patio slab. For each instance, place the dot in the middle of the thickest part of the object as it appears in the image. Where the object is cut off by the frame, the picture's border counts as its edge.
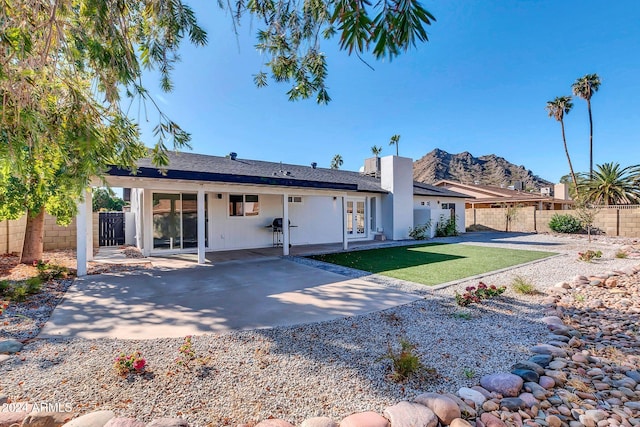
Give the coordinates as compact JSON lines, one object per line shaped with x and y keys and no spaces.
{"x":235,"y":295}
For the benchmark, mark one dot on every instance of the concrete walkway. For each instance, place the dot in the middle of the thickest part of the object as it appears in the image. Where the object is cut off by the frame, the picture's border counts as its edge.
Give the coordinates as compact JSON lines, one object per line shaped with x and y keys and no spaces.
{"x":235,"y":295}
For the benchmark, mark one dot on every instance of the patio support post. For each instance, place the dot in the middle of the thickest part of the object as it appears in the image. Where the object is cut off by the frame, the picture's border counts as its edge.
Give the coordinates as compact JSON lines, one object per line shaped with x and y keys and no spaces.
{"x":147,"y":221}
{"x":88,"y":197}
{"x":201,"y":237}
{"x":345,"y":244}
{"x":81,"y":238}
{"x":285,"y":224}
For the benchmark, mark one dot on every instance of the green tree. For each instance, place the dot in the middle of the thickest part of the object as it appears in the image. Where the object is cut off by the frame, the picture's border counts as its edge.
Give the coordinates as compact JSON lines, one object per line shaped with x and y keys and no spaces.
{"x":70,"y":69}
{"x":104,"y":199}
{"x":585,"y":87}
{"x":376,"y":150}
{"x":336,"y":162}
{"x":611,"y":185}
{"x":557,"y":109}
{"x":395,"y":140}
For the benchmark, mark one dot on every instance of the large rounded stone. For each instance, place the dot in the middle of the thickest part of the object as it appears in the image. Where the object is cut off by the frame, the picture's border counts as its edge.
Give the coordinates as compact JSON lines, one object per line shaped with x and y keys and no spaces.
{"x":445,"y":409}
{"x":513,"y":404}
{"x":8,"y":419}
{"x":547,"y":382}
{"x":47,"y":419}
{"x":459,"y":422}
{"x":541,"y":359}
{"x":124,"y":422}
{"x":549,"y":350}
{"x":530,"y":366}
{"x":92,"y":419}
{"x":506,"y":384}
{"x":473,"y":395}
{"x":275,"y":422}
{"x":364,"y":419}
{"x":319,"y":422}
{"x":491,"y":420}
{"x":10,"y":346}
{"x":407,"y":414}
{"x":527,"y":375}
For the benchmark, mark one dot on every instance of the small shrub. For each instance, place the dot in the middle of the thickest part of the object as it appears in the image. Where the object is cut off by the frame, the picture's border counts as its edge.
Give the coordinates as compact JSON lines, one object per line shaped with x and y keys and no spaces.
{"x":405,"y":362}
{"x":469,"y":373}
{"x":33,"y":285}
{"x":133,"y":363}
{"x":622,"y":255}
{"x":523,"y":286}
{"x":19,"y":293}
{"x":462,"y":315}
{"x":5,"y":287}
{"x":48,"y":272}
{"x":419,"y":232}
{"x":446,"y":227}
{"x":589,"y":255}
{"x":565,"y":223}
{"x":475,"y":295}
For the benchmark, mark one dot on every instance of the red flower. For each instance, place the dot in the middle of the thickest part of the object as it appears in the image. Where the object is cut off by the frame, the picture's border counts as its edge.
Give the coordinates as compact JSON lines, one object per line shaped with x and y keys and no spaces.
{"x":139,"y":364}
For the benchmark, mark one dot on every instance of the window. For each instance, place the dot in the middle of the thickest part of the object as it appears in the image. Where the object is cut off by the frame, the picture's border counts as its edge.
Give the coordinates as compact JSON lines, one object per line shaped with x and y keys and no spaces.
{"x":451,"y":206}
{"x":243,"y":205}
{"x":295,"y":199}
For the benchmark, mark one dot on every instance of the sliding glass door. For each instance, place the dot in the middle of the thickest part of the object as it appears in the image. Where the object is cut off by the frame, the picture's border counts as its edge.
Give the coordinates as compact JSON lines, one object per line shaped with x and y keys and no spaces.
{"x":175,"y":221}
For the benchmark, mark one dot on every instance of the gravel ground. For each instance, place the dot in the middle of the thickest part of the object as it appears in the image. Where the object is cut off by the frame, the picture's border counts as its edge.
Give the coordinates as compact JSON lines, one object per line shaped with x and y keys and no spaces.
{"x":330,"y":369}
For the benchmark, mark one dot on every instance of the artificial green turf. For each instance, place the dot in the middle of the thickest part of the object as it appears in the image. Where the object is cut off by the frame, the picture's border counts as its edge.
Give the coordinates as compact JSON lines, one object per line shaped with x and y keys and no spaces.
{"x":432,"y":263}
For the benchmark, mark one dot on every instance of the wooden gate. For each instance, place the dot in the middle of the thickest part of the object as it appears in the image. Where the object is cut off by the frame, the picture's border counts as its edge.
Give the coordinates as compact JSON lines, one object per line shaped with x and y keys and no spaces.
{"x":111,"y":228}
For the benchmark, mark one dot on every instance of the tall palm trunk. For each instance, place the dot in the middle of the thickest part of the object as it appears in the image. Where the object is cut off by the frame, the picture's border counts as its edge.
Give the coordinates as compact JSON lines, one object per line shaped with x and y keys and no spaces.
{"x":590,"y":139}
{"x":566,"y":150}
{"x":33,"y":238}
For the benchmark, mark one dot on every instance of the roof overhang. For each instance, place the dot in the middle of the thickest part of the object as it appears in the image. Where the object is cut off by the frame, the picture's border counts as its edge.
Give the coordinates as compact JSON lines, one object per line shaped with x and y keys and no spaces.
{"x":180,"y":175}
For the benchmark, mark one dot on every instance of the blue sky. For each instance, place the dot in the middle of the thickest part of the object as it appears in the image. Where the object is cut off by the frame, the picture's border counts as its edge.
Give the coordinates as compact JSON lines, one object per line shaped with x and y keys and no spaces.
{"x":480,"y":85}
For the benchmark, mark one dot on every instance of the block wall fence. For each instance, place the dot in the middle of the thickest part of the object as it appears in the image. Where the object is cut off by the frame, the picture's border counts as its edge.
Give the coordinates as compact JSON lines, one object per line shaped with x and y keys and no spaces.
{"x":621,"y":222}
{"x":56,"y":237}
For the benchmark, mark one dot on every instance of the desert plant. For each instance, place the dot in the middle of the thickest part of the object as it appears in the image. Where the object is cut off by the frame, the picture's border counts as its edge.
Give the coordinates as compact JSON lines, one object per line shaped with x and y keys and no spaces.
{"x":622,"y":254}
{"x":565,"y":223}
{"x":5,"y":287}
{"x":33,"y":285}
{"x":419,"y":232}
{"x":462,"y":315}
{"x":19,"y":293}
{"x":133,"y":363}
{"x":475,"y":295}
{"x":469,"y":373}
{"x":589,"y":255}
{"x":405,"y":362}
{"x":523,"y":286}
{"x":47,"y":271}
{"x":586,"y":214}
{"x":446,"y":227}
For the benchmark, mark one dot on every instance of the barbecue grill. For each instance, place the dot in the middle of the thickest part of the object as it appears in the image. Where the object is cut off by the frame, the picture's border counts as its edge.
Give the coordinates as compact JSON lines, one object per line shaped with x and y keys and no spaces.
{"x":276,"y":228}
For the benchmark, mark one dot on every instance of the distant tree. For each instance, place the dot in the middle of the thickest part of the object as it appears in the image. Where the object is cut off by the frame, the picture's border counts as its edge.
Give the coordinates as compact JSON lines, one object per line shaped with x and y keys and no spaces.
{"x":376,"y":150}
{"x":586,"y":214}
{"x":104,"y":199}
{"x":611,"y":185}
{"x":557,"y":109}
{"x":336,"y":162}
{"x":584,"y":88}
{"x":395,"y":139}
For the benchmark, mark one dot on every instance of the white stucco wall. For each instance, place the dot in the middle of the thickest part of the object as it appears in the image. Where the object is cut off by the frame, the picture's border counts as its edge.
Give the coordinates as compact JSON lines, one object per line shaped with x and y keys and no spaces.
{"x":435,"y":203}
{"x":318,"y":219}
{"x":396,"y":175}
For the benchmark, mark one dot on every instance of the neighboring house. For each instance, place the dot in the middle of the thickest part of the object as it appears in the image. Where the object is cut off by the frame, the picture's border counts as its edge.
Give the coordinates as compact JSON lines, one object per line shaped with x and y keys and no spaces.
{"x":487,"y":196}
{"x":205,"y":203}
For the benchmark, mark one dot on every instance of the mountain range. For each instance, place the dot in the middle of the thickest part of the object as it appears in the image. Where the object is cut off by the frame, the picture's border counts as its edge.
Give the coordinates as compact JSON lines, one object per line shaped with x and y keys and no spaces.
{"x":464,"y":167}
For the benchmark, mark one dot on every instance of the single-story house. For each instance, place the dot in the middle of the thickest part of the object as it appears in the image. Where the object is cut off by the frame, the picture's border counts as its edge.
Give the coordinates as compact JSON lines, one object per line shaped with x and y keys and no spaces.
{"x":488,"y":196}
{"x":202,"y":203}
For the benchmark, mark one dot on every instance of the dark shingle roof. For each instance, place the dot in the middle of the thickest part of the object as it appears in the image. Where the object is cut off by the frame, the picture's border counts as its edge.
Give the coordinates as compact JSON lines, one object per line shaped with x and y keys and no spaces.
{"x":191,"y":166}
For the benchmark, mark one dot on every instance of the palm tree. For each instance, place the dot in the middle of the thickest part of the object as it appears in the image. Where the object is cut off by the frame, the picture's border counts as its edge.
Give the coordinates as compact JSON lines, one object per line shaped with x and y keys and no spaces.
{"x":376,"y":150}
{"x":584,"y":88}
{"x":557,"y":109}
{"x":394,"y":141}
{"x":336,"y":162}
{"x":611,"y":185}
